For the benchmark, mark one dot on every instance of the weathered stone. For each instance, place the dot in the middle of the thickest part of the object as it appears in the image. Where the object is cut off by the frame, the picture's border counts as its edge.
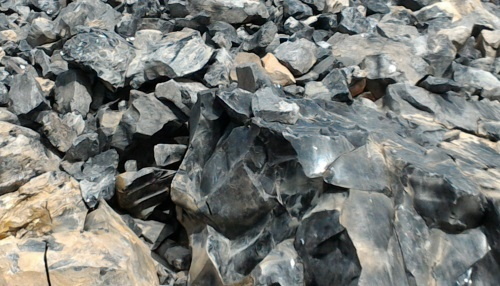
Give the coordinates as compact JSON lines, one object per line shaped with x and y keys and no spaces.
{"x":219,"y":72}
{"x":488,"y":42}
{"x":298,"y":56}
{"x":46,"y":204}
{"x":335,"y":6}
{"x":262,"y":38}
{"x":7,"y":116}
{"x":351,"y":50}
{"x":59,"y":133}
{"x":279,"y":74}
{"x":105,"y":241}
{"x":23,"y":157}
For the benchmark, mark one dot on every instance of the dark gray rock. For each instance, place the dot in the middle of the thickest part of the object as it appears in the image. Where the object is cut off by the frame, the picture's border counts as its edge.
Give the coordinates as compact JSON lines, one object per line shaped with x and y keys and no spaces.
{"x":238,"y":103}
{"x":41,"y":31}
{"x":351,"y":50}
{"x":262,"y":38}
{"x":439,"y":85}
{"x":104,"y":52}
{"x":268,"y":105}
{"x":374,"y":6}
{"x":176,"y":55}
{"x":178,"y":8}
{"x":146,"y":115}
{"x":83,"y":147}
{"x":89,"y":13}
{"x":183,"y":94}
{"x":72,"y":92}
{"x":233,"y":12}
{"x":296,"y":9}
{"x":25,"y":94}
{"x":218,"y":73}
{"x":60,"y":132}
{"x":98,"y":178}
{"x":252,"y":77}
{"x":353,"y":22}
{"x":140,"y":192}
{"x":298,"y":56}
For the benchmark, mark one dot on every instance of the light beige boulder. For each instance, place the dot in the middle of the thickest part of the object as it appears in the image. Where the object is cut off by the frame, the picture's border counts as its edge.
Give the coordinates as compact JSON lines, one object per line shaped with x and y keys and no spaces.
{"x":278,"y":73}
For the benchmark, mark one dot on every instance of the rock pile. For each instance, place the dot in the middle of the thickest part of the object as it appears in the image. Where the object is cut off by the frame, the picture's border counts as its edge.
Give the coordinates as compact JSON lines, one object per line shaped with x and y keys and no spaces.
{"x":249,"y":142}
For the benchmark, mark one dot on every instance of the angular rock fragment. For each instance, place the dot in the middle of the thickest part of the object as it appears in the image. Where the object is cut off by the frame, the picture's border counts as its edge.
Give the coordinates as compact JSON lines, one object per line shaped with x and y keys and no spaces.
{"x":140,"y":192}
{"x":268,"y":105}
{"x":146,"y":115}
{"x":183,"y":94}
{"x":25,"y":94}
{"x":298,"y":56}
{"x":102,"y":51}
{"x":252,"y":77}
{"x":218,"y":73}
{"x":103,"y":243}
{"x":166,"y":154}
{"x":23,"y":157}
{"x":98,"y":177}
{"x":54,"y":204}
{"x":89,"y":13}
{"x":178,"y":54}
{"x":353,"y":22}
{"x":60,"y":134}
{"x":279,"y":74}
{"x":72,"y":92}
{"x":41,"y":32}
{"x":233,"y":12}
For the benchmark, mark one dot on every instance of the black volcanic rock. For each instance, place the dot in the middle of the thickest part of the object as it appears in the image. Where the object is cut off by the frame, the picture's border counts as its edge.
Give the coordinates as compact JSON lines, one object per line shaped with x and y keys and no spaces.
{"x":249,"y":142}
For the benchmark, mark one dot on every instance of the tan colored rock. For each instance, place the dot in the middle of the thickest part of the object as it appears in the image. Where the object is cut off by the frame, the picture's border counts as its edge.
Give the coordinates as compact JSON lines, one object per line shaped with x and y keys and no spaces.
{"x":46,"y":85}
{"x":9,"y":35}
{"x":23,"y":157}
{"x":22,"y":262}
{"x":278,"y":73}
{"x":48,"y":203}
{"x":457,"y":35}
{"x":107,"y":253}
{"x":243,"y":58}
{"x":488,"y":43}
{"x":335,"y":6}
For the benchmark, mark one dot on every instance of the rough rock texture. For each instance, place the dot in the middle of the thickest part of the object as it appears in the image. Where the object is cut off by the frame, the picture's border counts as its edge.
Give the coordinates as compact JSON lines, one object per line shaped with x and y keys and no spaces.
{"x":249,"y":142}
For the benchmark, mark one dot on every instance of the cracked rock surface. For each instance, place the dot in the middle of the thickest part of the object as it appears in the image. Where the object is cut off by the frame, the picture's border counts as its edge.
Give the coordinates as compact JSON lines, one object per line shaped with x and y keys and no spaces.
{"x":249,"y":142}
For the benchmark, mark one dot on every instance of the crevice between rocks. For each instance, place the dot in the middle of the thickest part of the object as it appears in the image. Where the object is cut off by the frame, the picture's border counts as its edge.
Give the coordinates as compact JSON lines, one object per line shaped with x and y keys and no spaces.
{"x":47,"y":272}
